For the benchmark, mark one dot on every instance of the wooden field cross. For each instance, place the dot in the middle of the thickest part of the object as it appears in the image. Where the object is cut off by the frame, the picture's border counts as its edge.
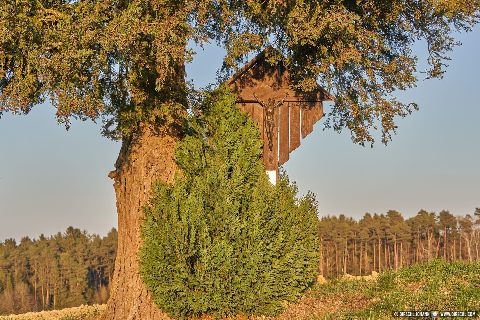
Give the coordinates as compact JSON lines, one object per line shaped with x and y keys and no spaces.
{"x":283,"y":114}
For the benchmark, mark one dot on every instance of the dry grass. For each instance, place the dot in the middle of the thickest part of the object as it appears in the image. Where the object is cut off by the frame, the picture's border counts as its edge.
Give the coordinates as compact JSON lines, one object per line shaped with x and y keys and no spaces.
{"x":309,"y":307}
{"x":76,"y":313}
{"x":314,"y":305}
{"x":435,"y":285}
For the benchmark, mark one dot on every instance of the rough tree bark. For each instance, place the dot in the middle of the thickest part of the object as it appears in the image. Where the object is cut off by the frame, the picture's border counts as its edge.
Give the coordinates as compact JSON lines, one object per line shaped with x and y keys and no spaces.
{"x":143,"y":159}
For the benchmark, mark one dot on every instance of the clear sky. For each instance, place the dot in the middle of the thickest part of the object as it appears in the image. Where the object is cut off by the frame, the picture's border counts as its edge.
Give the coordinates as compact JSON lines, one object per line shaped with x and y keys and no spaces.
{"x":51,"y":179}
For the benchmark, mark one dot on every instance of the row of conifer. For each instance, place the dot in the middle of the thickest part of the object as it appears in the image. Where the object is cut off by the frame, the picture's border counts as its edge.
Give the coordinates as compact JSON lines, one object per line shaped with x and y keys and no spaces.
{"x":75,"y":268}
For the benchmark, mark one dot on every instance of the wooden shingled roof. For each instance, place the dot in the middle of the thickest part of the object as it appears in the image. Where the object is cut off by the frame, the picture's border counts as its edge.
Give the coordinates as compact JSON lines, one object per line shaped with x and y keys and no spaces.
{"x":283,"y":114}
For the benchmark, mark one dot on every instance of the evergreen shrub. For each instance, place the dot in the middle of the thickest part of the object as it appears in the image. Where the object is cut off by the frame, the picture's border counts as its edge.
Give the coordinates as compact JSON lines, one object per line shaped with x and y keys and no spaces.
{"x":222,"y":240}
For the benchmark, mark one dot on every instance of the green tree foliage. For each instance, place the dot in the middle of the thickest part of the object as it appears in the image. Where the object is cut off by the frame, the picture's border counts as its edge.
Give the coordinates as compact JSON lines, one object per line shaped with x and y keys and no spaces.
{"x":221,"y":240}
{"x":387,"y":241}
{"x":123,"y":60}
{"x":64,"y":270}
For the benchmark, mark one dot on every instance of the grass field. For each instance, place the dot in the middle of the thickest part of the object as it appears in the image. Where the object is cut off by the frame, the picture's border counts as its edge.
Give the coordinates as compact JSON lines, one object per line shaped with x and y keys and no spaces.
{"x":77,"y":313}
{"x":437,"y":285}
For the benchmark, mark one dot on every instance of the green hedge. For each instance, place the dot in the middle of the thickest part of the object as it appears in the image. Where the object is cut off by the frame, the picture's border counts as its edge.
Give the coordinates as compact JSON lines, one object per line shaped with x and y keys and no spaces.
{"x":222,"y":240}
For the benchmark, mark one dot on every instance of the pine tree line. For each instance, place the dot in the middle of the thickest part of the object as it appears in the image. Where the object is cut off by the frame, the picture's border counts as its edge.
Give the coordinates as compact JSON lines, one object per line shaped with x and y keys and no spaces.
{"x":387,"y":241}
{"x":75,"y":268}
{"x":60,"y":271}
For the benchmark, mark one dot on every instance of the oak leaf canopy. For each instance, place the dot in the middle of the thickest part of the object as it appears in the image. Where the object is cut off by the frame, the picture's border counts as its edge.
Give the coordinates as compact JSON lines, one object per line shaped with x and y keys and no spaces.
{"x":123,"y":60}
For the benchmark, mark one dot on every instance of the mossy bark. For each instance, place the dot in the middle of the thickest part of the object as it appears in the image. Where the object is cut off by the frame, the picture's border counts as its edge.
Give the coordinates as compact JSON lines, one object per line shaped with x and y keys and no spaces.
{"x":143,"y":159}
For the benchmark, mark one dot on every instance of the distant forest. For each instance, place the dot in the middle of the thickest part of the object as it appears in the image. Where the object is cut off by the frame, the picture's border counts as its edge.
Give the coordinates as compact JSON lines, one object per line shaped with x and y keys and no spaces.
{"x":387,"y":241}
{"x":60,"y":271}
{"x":75,"y":268}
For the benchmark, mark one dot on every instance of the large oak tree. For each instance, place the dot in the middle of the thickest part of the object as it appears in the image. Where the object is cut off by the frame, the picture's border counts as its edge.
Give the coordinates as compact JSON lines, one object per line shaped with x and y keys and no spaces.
{"x":122,"y":61}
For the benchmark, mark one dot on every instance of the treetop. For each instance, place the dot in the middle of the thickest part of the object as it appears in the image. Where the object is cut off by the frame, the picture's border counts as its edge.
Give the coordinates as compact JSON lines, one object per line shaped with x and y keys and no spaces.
{"x":123,"y":61}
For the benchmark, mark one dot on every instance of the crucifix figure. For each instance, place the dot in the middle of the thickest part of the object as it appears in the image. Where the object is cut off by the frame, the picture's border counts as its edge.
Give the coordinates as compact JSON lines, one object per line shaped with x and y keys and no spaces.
{"x":283,"y":114}
{"x":269,"y":109}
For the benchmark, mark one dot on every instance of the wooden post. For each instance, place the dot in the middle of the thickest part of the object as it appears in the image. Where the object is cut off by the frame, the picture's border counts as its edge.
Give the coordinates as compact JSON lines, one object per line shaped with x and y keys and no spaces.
{"x":294,"y":126}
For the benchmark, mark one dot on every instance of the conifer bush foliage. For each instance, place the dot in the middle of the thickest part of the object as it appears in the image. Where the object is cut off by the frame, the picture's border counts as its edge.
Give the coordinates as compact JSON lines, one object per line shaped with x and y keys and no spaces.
{"x":221,"y":240}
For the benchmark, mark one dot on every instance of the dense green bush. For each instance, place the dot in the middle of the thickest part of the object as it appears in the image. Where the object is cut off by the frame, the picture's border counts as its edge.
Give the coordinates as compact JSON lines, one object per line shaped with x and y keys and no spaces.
{"x":222,"y":240}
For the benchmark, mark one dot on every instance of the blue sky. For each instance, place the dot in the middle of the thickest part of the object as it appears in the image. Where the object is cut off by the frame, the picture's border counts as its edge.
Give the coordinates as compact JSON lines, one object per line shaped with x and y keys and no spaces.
{"x":51,"y":179}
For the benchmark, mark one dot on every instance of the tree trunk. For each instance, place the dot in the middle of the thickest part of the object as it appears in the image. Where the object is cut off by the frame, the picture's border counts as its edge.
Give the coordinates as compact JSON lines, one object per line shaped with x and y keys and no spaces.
{"x":410,"y":254}
{"x":379,"y":258}
{"x":48,"y":295}
{"x":43,"y":299}
{"x":374,"y":256}
{"x":430,"y":245}
{"x":35,"y":289}
{"x":386,"y":255}
{"x":469,"y":250}
{"x":360,"y":260}
{"x":55,"y":297}
{"x":476,"y":250}
{"x":321,"y":256}
{"x":395,"y":252}
{"x":415,"y":253}
{"x":454,"y":253}
{"x":367,"y":262}
{"x":460,"y":248}
{"x":401,"y":254}
{"x":437,"y":251}
{"x":445,"y":243}
{"x":354,"y":261}
{"x":327,"y":261}
{"x":144,"y":159}
{"x":336,"y":258}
